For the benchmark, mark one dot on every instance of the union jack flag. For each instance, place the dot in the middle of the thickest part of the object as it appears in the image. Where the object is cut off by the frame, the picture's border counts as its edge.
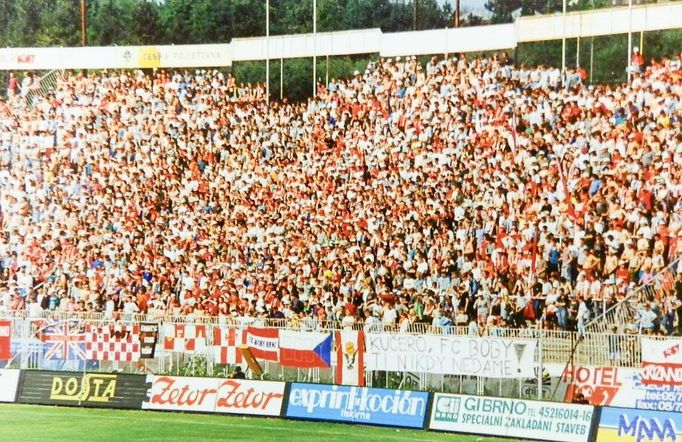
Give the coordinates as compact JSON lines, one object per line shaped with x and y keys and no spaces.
{"x":64,"y":340}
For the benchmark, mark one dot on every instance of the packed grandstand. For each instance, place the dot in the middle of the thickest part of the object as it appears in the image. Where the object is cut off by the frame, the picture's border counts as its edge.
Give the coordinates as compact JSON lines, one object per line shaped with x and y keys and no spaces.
{"x":462,"y":191}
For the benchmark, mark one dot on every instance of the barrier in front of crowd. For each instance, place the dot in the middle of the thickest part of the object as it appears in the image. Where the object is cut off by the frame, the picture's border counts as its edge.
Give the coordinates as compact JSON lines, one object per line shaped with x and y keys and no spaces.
{"x":559,"y":346}
{"x":521,"y":364}
{"x":456,"y":413}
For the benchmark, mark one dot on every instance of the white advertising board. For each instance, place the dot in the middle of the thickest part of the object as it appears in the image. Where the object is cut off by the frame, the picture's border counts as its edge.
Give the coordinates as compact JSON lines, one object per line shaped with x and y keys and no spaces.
{"x":511,"y":418}
{"x":215,"y":395}
{"x":9,"y":381}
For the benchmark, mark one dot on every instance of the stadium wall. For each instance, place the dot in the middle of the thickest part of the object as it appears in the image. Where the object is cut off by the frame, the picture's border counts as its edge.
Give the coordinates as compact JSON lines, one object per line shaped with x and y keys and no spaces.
{"x":364,"y":41}
{"x":445,"y":412}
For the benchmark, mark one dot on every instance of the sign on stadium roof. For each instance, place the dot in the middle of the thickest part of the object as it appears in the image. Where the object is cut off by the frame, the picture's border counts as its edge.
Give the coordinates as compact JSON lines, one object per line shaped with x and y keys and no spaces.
{"x":116,"y":57}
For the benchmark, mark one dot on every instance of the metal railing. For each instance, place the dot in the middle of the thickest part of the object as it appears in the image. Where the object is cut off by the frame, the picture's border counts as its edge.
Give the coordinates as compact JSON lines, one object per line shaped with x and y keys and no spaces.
{"x":42,"y":86}
{"x":558,"y":346}
{"x":624,"y":313}
{"x":556,"y":351}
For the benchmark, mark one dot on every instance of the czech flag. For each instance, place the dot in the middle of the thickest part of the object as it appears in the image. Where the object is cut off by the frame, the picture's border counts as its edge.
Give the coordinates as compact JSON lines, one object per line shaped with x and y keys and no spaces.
{"x":305,"y":349}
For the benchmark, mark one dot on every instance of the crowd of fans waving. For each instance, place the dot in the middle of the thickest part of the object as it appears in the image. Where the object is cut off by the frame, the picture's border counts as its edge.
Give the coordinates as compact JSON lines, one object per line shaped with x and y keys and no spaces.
{"x":457,"y":192}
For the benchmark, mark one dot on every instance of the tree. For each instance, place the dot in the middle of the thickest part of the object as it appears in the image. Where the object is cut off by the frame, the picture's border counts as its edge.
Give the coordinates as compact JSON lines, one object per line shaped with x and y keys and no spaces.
{"x":145,"y":23}
{"x":174,"y":18}
{"x":332,"y":15}
{"x":248,"y":18}
{"x":60,"y":23}
{"x":502,"y":9}
{"x":472,"y":19}
{"x":209,"y":21}
{"x":24,"y":21}
{"x":108,"y":21}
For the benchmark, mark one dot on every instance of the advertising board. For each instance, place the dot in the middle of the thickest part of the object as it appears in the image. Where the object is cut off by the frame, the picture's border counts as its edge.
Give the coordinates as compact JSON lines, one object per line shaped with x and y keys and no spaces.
{"x":511,"y":418}
{"x":626,"y":424}
{"x":102,"y":57}
{"x":456,"y":355}
{"x":375,"y":406}
{"x":9,"y":382}
{"x":616,"y":386}
{"x":215,"y":395}
{"x":106,"y":390}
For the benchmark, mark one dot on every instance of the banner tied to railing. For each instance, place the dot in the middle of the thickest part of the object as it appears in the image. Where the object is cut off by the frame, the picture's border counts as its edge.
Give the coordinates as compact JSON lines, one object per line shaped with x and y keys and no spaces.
{"x":456,"y":355}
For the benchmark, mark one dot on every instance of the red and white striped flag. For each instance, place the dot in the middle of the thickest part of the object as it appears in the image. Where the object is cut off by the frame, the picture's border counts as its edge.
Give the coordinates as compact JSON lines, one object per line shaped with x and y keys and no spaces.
{"x":263,"y":342}
{"x":112,"y":343}
{"x":184,"y":338}
{"x":350,"y":357}
{"x":226,"y":342}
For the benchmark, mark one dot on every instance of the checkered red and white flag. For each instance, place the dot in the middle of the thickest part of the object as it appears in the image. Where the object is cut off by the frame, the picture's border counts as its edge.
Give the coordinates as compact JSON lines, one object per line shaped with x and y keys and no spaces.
{"x":184,"y":338}
{"x":112,"y":343}
{"x":226,"y":342}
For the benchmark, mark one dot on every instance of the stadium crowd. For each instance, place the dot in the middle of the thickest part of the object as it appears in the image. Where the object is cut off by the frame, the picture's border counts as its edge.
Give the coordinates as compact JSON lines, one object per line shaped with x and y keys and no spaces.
{"x":457,"y":192}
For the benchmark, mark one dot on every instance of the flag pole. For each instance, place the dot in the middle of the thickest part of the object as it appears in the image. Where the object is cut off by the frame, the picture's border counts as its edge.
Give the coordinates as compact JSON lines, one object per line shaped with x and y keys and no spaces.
{"x":563,"y":40}
{"x":629,"y":62}
{"x":267,"y":51}
{"x":314,"y":48}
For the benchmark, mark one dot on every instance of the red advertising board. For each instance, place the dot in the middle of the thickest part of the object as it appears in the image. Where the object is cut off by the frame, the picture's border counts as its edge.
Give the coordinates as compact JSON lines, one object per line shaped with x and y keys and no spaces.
{"x":211,"y":395}
{"x":5,"y":337}
{"x":599,"y":385}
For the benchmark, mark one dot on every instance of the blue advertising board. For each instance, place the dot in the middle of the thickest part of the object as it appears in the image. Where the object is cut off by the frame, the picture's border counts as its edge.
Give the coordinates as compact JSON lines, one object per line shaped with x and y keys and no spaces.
{"x":627,"y":424}
{"x":375,"y":406}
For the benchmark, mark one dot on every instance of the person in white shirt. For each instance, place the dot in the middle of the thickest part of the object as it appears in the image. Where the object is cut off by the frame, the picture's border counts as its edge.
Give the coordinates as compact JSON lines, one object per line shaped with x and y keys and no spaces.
{"x":583,"y":315}
{"x":130,"y":306}
{"x":34,"y":308}
{"x":646,"y":319}
{"x":390,"y":315}
{"x":372,"y":323}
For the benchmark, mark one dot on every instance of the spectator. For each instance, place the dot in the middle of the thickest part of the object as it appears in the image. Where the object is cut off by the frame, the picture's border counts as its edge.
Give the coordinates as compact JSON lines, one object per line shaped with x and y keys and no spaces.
{"x":646,"y":319}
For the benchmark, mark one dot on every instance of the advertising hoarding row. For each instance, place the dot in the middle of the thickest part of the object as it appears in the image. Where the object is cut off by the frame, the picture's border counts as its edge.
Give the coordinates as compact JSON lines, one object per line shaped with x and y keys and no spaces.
{"x":373,"y":406}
